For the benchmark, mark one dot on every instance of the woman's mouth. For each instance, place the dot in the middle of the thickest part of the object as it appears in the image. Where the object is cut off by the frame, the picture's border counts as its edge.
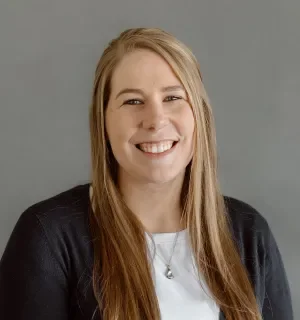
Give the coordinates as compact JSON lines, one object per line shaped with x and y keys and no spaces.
{"x":156,"y":147}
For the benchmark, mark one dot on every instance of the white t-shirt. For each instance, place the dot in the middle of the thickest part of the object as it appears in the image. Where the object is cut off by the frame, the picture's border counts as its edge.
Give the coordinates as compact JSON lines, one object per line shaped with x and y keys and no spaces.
{"x":184,"y":296}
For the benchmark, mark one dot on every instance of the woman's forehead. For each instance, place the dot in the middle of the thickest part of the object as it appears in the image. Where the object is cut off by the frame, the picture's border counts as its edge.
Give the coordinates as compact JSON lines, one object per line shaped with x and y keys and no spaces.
{"x":143,"y":69}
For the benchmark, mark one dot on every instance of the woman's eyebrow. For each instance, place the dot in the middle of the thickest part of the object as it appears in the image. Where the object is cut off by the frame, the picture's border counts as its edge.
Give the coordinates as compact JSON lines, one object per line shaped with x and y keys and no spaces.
{"x":172,"y":88}
{"x":129,"y":90}
{"x":139,"y":91}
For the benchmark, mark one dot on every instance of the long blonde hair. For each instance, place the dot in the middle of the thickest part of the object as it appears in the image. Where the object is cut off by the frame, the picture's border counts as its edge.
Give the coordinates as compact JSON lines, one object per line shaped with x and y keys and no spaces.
{"x":122,"y":280}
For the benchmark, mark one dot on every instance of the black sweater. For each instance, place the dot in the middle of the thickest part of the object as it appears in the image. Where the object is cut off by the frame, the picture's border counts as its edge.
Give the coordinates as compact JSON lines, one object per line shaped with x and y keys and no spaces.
{"x":46,"y":268}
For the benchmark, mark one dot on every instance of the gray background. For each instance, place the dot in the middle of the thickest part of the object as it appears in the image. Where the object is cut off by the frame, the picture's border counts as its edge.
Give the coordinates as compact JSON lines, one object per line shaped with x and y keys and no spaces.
{"x":249,"y":55}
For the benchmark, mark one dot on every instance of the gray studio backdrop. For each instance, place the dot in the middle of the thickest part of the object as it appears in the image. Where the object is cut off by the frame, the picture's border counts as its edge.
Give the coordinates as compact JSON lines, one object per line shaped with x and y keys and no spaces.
{"x":249,"y":55}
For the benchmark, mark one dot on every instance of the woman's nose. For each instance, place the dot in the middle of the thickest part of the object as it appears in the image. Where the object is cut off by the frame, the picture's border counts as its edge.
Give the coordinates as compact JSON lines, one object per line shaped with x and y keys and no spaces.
{"x":155,"y":117}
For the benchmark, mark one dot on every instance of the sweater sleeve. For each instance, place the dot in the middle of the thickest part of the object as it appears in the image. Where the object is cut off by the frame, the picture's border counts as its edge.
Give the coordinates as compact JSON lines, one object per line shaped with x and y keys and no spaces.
{"x":277,"y":303}
{"x":33,"y":282}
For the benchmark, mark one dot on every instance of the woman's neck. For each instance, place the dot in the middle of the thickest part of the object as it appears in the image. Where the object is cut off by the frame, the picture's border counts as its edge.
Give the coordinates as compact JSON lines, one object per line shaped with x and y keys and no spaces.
{"x":156,"y":205}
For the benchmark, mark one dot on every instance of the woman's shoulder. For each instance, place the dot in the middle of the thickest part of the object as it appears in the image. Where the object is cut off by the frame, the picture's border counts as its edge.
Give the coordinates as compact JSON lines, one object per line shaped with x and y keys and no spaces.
{"x":62,"y":208}
{"x":251,"y":231}
{"x":59,"y":224}
{"x":244,"y":217}
{"x":49,"y":255}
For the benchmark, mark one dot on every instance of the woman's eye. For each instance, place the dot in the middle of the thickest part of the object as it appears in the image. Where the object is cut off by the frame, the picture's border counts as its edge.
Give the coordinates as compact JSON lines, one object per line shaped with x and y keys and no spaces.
{"x":138,"y":102}
{"x":172,"y":98}
{"x":132,"y":101}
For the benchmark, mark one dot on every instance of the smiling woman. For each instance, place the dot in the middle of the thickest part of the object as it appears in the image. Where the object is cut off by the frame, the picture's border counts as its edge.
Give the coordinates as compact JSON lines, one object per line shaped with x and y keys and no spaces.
{"x":151,"y":237}
{"x":152,"y":115}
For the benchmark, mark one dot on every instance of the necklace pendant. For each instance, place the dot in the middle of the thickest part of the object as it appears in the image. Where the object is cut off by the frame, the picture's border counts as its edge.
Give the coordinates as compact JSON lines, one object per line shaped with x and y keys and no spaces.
{"x":169,"y":273}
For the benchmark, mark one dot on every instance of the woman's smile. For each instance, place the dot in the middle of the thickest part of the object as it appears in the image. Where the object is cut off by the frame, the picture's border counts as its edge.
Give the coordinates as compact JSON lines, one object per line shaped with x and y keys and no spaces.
{"x":157,"y":150}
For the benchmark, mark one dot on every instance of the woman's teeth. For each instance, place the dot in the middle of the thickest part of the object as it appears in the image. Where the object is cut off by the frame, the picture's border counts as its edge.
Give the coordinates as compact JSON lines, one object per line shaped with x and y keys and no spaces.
{"x":156,"y":147}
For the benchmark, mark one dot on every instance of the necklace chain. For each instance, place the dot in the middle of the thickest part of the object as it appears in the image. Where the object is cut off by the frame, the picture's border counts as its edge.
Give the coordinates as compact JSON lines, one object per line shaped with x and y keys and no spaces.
{"x":168,"y":272}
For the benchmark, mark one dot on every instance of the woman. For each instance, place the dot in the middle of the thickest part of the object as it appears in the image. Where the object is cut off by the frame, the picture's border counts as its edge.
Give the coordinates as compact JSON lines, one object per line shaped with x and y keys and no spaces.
{"x":151,"y":237}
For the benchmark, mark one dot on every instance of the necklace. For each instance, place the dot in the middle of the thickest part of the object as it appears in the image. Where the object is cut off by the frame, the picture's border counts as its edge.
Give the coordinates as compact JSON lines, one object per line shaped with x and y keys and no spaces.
{"x":168,"y":273}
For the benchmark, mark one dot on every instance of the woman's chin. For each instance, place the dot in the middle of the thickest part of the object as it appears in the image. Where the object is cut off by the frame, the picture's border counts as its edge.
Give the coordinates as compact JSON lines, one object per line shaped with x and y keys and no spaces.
{"x":161,"y":177}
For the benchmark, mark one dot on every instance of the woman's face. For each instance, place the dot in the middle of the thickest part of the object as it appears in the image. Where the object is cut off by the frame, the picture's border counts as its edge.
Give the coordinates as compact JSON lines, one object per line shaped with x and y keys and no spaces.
{"x":149,"y":121}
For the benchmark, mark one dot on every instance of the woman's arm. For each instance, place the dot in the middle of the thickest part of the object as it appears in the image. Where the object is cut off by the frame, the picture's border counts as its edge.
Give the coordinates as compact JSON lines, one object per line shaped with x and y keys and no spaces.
{"x":33,"y":283}
{"x":277,"y":303}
